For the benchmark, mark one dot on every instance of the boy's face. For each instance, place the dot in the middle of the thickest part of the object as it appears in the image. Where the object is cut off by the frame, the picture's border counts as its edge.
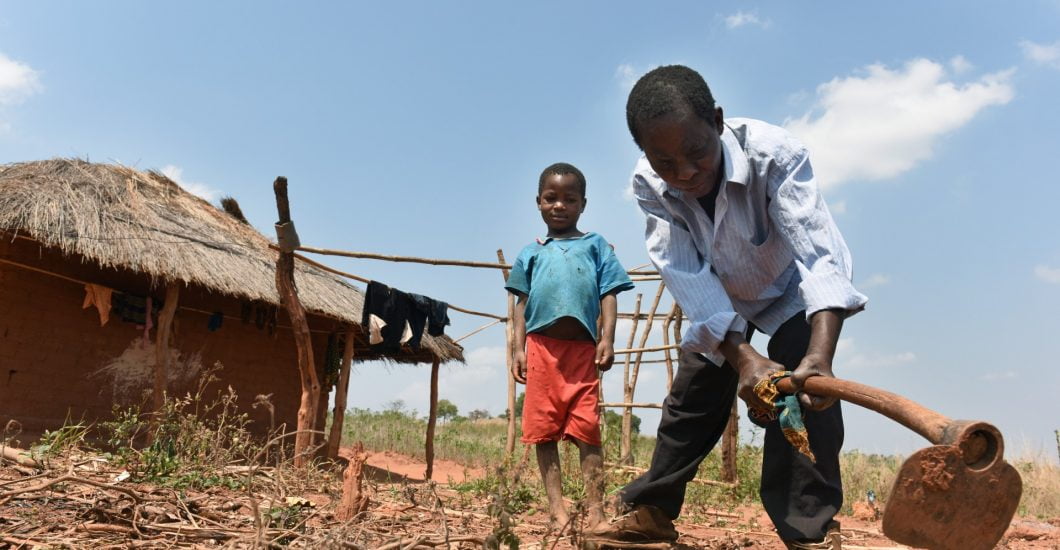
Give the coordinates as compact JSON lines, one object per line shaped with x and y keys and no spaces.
{"x":685,"y":151}
{"x":561,"y":202}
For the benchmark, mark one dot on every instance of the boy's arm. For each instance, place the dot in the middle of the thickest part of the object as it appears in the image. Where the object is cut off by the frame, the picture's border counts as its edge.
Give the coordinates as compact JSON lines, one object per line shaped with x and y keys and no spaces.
{"x":519,"y":353}
{"x":605,"y":348}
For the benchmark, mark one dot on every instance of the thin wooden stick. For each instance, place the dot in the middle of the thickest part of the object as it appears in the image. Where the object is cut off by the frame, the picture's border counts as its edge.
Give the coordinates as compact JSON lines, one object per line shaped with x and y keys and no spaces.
{"x":285,"y":286}
{"x":652,"y":348}
{"x":626,"y":440}
{"x":338,"y":417}
{"x":632,"y":405}
{"x":418,"y":260}
{"x":432,"y":420}
{"x":509,"y":334}
{"x":643,"y":316}
{"x":645,"y":278}
{"x":479,"y":329}
{"x":637,"y":470}
{"x":666,"y":342}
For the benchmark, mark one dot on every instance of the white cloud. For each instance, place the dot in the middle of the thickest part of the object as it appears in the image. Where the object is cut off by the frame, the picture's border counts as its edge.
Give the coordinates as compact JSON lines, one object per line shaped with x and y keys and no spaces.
{"x":1045,"y":54}
{"x":1048,"y":274}
{"x":743,"y":18}
{"x":874,"y":280}
{"x":838,"y":207}
{"x":18,"y":81}
{"x":960,"y":65}
{"x":478,"y":384}
{"x":881,"y":124}
{"x":176,"y":174}
{"x":847,"y":356}
{"x":626,"y":75}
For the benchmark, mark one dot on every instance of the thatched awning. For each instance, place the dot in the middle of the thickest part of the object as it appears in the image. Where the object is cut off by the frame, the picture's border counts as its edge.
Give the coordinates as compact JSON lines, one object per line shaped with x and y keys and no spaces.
{"x":143,"y":221}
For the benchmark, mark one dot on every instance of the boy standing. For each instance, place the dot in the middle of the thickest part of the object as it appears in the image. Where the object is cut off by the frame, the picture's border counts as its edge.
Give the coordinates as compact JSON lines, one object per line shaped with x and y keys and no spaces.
{"x":564,"y":283}
{"x":744,"y":241}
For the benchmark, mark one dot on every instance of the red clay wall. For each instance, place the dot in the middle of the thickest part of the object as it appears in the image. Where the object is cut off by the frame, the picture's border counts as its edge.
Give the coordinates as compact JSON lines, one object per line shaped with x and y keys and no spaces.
{"x":50,"y":346}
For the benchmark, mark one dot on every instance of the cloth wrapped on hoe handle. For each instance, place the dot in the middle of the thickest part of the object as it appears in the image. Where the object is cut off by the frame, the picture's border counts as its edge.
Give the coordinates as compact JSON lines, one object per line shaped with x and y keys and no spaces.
{"x":957,"y":494}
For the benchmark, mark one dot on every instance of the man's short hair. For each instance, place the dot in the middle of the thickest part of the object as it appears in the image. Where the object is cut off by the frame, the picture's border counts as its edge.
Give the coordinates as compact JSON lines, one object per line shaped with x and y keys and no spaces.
{"x":666,"y":90}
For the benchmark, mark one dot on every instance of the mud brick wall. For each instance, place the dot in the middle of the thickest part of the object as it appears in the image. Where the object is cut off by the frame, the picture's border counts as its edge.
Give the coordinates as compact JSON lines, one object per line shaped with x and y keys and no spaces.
{"x":50,"y":347}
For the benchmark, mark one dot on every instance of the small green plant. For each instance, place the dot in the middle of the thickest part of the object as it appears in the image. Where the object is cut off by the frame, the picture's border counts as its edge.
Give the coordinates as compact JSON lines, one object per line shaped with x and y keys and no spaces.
{"x":55,"y":442}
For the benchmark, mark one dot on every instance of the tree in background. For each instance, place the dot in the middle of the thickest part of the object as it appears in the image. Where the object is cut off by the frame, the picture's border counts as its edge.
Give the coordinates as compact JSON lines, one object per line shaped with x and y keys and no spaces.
{"x":447,"y":409}
{"x":478,"y":414}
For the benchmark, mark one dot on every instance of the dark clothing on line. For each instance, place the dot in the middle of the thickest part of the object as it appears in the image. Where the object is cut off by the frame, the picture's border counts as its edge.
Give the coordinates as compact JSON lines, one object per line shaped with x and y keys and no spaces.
{"x":215,"y":321}
{"x":396,"y":309}
{"x":133,"y":309}
{"x":437,"y":313}
{"x":800,"y":497}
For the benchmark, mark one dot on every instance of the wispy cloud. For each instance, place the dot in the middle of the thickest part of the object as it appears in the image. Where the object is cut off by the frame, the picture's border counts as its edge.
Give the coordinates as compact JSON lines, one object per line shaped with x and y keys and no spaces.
{"x":203,"y":190}
{"x":838,"y":207}
{"x":1048,"y":274}
{"x":18,"y":81}
{"x":874,"y":280}
{"x":960,"y":65}
{"x":847,"y":356}
{"x":995,"y":376}
{"x":1044,"y":54}
{"x":626,"y":75}
{"x":883,"y":122}
{"x":744,"y":18}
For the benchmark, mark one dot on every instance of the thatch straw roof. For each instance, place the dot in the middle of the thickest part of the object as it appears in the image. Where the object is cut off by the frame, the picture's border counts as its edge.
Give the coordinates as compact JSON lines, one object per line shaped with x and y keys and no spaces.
{"x":143,"y":221}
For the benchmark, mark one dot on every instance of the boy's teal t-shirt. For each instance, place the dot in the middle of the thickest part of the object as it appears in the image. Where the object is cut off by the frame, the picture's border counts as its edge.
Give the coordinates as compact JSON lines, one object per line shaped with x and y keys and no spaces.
{"x":566,"y":278}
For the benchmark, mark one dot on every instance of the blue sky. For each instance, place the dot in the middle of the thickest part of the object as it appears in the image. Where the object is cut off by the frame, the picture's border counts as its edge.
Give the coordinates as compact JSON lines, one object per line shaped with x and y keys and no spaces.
{"x":419,"y":128}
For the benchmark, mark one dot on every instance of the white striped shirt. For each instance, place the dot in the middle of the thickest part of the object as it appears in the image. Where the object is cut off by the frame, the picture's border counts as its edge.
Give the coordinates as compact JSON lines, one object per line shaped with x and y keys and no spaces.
{"x":772,"y":250}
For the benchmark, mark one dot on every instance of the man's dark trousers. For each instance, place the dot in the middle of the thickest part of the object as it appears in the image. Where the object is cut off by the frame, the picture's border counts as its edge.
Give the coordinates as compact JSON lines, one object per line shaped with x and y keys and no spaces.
{"x":800,"y":497}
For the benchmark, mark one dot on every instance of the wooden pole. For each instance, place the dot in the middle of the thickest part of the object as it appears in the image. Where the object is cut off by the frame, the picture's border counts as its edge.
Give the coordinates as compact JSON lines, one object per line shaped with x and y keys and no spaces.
{"x":509,"y":332}
{"x":432,"y":421}
{"x":666,"y":342}
{"x":729,"y":442}
{"x":165,"y":328}
{"x":341,"y":389}
{"x":285,"y":286}
{"x":626,"y":440}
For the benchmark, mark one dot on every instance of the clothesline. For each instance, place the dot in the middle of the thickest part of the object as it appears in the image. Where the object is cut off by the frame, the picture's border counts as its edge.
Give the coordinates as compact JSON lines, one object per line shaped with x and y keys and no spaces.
{"x":319,"y":265}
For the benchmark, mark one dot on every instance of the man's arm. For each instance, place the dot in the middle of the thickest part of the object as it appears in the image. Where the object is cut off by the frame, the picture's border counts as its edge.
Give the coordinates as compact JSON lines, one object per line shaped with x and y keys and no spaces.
{"x":825,"y":326}
{"x":519,"y":353}
{"x":605,"y":347}
{"x":824,"y":264}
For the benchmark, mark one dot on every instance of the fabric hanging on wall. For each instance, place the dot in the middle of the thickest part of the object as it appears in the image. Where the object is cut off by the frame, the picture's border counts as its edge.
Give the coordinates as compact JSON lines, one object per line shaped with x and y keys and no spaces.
{"x":98,"y":296}
{"x":215,"y":322}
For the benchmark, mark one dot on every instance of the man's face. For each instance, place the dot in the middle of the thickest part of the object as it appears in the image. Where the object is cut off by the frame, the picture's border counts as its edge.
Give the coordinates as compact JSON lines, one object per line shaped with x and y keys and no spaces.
{"x":685,"y":151}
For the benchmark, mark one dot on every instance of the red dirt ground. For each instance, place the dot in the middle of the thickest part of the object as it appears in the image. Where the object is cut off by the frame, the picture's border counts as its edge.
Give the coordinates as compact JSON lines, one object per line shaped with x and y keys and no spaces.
{"x":746,"y":527}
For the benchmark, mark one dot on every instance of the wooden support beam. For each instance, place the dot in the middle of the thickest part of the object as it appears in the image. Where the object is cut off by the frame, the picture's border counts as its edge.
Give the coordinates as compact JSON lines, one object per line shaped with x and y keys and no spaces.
{"x":636,"y":470}
{"x":432,"y":420}
{"x":165,"y":329}
{"x":629,"y":351}
{"x":625,"y":438}
{"x":285,"y":287}
{"x":632,"y":405}
{"x":509,"y":332}
{"x":666,"y":342}
{"x":338,"y":417}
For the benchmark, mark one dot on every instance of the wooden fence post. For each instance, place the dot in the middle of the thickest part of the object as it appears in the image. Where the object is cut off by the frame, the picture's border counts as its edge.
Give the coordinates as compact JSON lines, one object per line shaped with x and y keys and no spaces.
{"x":729,"y":445}
{"x":509,"y":332}
{"x":338,"y":418}
{"x":432,"y":420}
{"x":288,"y":291}
{"x":626,"y":442}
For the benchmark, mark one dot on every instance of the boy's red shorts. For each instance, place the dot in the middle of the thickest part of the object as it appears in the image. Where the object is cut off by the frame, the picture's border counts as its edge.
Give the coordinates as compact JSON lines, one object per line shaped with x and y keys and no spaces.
{"x":562,"y":389}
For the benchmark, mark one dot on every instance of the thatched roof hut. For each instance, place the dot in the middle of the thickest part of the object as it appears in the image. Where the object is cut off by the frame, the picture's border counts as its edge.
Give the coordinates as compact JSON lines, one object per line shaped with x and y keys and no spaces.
{"x":143,"y":221}
{"x":113,"y":225}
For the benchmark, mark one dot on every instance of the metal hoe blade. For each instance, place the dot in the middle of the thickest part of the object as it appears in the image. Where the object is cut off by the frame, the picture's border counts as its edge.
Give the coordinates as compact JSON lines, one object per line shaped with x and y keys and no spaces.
{"x":959,"y":494}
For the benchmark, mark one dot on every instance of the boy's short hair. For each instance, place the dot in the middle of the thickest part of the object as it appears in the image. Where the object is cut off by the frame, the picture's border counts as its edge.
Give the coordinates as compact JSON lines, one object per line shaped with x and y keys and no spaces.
{"x":561,"y":169}
{"x":666,"y":90}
